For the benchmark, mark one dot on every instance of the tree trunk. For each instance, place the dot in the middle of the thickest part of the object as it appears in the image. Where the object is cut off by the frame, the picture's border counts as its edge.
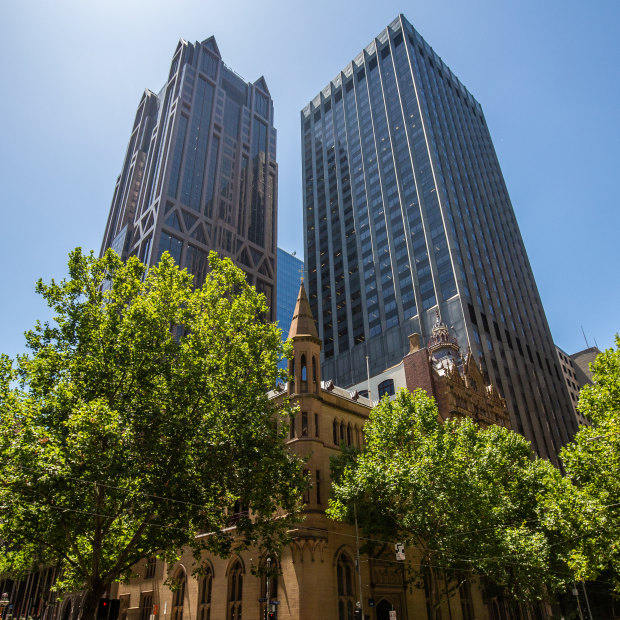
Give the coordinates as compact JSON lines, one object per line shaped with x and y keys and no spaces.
{"x":90,"y":601}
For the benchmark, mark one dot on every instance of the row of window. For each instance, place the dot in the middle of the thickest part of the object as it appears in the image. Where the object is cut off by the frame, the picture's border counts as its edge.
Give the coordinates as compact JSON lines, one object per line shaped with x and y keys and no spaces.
{"x":235,"y":575}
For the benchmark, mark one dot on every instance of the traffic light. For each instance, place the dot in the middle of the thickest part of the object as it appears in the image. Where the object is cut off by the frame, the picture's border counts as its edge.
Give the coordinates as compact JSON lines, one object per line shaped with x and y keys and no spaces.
{"x":103,"y":609}
{"x":272,"y":615}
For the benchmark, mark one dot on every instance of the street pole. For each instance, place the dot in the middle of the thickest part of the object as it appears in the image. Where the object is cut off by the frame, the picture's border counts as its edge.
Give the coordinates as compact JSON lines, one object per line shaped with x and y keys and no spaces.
{"x":267,"y":589}
{"x":583,"y":585}
{"x":359,"y":568}
{"x":576,"y":593}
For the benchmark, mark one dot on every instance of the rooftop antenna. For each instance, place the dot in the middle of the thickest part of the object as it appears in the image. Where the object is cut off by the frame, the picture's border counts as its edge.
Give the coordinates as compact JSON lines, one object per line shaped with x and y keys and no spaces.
{"x":584,"y":337}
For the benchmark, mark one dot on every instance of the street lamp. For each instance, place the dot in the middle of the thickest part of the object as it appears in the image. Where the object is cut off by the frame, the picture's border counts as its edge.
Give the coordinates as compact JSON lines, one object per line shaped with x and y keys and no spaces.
{"x":4,"y":602}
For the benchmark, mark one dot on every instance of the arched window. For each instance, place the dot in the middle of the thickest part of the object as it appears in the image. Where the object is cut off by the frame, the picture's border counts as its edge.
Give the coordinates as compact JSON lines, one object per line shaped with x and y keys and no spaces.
{"x":344,"y":576}
{"x":304,"y":374}
{"x":313,"y":369}
{"x":235,"y":591}
{"x":342,"y":432}
{"x":386,"y":387}
{"x":357,"y":436}
{"x":349,"y":435}
{"x":205,"y":588}
{"x":178,"y":596}
{"x":335,"y":429}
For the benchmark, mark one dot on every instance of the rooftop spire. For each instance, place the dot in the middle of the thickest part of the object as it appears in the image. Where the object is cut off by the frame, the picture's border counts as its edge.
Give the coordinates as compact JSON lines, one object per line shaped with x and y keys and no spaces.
{"x":303,"y":322}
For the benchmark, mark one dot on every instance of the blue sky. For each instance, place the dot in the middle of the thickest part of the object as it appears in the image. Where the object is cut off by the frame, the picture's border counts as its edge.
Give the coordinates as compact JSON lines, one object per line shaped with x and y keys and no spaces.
{"x":545,"y":73}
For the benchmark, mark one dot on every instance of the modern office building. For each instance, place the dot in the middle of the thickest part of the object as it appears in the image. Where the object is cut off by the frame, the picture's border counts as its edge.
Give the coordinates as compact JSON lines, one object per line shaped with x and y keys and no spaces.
{"x":581,"y":361}
{"x":406,"y":212}
{"x":290,"y":273}
{"x":576,"y":372}
{"x":575,"y":379}
{"x":200,"y":172}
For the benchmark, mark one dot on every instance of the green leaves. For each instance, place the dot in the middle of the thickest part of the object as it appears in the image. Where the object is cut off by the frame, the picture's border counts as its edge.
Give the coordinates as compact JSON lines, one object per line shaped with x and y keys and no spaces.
{"x":465,"y":499}
{"x":586,"y":510}
{"x":141,"y":416}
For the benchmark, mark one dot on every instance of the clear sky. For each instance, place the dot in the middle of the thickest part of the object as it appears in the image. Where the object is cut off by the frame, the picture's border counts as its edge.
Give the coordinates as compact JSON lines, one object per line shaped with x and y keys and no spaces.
{"x":545,"y":72}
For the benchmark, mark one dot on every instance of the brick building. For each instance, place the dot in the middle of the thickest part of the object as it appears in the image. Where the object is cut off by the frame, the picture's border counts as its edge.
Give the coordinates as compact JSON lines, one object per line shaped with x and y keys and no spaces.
{"x":456,"y":381}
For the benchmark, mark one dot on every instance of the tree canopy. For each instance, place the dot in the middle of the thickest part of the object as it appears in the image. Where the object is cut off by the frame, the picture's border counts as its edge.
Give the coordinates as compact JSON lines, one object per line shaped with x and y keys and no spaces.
{"x":465,"y":499}
{"x":586,"y":508}
{"x":138,"y":418}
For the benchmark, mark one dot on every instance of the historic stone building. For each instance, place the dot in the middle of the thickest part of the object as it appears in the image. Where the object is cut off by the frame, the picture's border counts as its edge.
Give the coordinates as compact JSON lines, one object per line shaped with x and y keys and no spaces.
{"x":317,"y":577}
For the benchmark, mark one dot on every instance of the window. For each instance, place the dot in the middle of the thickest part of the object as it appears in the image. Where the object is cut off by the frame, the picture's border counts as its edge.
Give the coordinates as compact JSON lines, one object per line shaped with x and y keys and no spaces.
{"x":292,"y":427}
{"x":316,"y":425}
{"x":235,"y":591}
{"x":146,"y":605}
{"x":317,"y":484}
{"x":178,"y":597}
{"x":344,"y":574}
{"x":335,"y":429}
{"x":304,"y":424}
{"x":307,"y":491}
{"x":124,"y":601}
{"x":149,"y":571}
{"x":205,"y":588}
{"x":386,"y":387}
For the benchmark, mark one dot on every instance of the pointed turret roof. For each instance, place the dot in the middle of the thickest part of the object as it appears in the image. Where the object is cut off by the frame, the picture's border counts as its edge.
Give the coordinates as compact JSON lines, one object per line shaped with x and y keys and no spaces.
{"x":303,"y":322}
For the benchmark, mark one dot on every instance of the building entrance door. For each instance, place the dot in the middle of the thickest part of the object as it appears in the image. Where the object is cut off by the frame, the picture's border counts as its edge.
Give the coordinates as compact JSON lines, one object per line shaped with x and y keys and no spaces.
{"x":383,"y":610}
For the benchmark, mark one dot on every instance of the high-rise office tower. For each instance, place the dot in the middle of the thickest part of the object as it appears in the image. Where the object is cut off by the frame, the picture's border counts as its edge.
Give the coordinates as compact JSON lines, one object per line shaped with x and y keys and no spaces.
{"x":406,"y":211}
{"x":290,"y":272}
{"x":200,"y":172}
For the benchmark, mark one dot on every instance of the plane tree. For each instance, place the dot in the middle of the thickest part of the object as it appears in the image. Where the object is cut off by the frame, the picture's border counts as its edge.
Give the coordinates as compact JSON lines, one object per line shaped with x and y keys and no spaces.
{"x":140,"y":418}
{"x":465,"y":501}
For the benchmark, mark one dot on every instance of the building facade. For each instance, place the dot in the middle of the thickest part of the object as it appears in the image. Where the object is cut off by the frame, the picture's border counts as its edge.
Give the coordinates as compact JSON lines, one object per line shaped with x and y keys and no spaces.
{"x":200,"y":172}
{"x":316,"y":576}
{"x":576,"y":372}
{"x":290,"y":273}
{"x":406,"y":211}
{"x":455,"y":381}
{"x":581,"y":362}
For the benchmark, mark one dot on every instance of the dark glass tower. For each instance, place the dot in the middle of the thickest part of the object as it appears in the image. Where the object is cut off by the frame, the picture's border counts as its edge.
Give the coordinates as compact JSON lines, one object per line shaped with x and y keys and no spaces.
{"x":406,"y":211}
{"x":200,"y":172}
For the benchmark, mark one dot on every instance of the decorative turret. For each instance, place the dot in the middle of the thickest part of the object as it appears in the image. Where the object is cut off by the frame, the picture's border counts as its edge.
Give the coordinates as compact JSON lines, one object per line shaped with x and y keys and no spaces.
{"x":305,"y":368}
{"x":442,"y":345}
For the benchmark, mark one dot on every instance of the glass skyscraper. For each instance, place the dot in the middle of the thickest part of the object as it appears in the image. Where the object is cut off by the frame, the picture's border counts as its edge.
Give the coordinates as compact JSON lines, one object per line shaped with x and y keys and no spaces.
{"x":406,"y":212}
{"x":200,"y":172}
{"x":290,"y":272}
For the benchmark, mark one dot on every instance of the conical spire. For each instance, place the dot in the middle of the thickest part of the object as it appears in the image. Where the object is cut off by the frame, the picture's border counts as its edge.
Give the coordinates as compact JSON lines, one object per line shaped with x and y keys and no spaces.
{"x":303,"y":322}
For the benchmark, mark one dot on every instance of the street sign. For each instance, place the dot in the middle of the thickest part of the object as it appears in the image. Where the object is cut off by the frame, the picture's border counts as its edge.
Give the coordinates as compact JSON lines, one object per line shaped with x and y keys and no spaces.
{"x":400,"y":551}
{"x":393,"y":615}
